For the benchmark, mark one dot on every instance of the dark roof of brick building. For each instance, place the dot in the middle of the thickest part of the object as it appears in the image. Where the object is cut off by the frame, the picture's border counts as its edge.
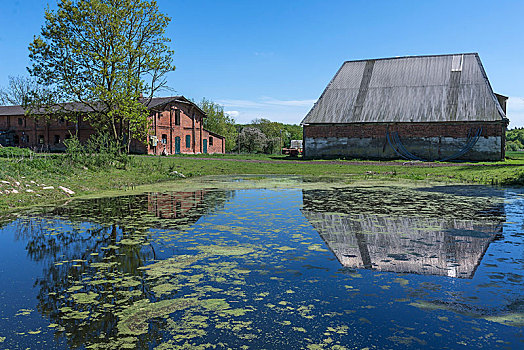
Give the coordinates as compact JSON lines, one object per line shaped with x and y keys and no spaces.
{"x":152,"y":104}
{"x":11,"y":110}
{"x":439,"y":88}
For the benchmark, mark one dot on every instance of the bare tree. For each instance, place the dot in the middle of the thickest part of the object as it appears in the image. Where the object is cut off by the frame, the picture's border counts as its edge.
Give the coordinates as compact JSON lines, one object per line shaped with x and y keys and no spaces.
{"x":20,"y":91}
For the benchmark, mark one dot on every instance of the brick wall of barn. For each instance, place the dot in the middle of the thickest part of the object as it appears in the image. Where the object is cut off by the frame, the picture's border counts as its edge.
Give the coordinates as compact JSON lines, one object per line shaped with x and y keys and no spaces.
{"x":42,"y":135}
{"x":173,"y":127}
{"x":185,"y":123}
{"x":215,"y":143}
{"x":431,"y":141}
{"x":49,"y":136}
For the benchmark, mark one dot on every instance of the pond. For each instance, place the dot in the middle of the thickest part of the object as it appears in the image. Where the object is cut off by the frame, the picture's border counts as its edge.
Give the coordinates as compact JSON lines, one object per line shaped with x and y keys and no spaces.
{"x":272,"y":263}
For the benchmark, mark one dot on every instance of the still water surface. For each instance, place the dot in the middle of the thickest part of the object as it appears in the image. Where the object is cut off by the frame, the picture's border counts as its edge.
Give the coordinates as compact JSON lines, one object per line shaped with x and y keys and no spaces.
{"x":318,"y":266}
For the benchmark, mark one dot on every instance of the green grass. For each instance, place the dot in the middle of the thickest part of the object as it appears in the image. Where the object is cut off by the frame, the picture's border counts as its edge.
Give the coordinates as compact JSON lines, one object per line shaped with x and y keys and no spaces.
{"x":515,"y":155}
{"x":28,"y":174}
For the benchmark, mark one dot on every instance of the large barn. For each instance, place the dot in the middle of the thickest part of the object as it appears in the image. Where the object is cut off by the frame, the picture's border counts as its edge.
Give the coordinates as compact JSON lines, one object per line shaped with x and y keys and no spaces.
{"x":430,"y":108}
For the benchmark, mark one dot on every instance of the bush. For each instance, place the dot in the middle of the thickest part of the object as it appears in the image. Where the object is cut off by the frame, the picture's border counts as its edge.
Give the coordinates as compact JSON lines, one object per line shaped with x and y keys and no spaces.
{"x":252,"y":140}
{"x":272,"y":145}
{"x":513,"y":146}
{"x":100,"y":150}
{"x":15,"y":152}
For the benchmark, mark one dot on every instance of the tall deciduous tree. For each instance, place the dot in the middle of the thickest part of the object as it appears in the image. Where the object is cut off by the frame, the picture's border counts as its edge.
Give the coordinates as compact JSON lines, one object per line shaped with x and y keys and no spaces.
{"x":221,"y":123}
{"x":104,"y":55}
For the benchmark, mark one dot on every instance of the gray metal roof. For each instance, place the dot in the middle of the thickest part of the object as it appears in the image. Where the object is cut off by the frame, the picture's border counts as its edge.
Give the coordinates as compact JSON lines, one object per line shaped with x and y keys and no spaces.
{"x":439,"y":88}
{"x":79,"y":107}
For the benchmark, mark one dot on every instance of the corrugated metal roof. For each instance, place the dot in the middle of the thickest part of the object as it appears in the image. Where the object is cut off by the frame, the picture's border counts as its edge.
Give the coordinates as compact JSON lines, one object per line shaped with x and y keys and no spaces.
{"x":79,"y":107}
{"x":408,"y":89}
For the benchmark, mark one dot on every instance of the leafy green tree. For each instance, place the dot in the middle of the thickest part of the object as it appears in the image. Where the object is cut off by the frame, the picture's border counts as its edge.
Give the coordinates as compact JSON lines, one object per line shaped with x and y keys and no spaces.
{"x":252,"y":140}
{"x":104,"y":55}
{"x":285,"y":132}
{"x":273,"y":145}
{"x":221,"y":123}
{"x":294,"y":132}
{"x":515,"y":139}
{"x":269,"y":128}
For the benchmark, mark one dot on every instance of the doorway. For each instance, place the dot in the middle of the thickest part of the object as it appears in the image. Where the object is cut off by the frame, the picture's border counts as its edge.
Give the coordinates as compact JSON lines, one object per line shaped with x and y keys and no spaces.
{"x":177,"y":145}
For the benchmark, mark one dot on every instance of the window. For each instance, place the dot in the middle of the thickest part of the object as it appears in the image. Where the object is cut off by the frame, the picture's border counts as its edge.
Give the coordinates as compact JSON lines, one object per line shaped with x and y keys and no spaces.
{"x":41,"y":139}
{"x":164,"y":139}
{"x":57,"y":139}
{"x":177,"y":116}
{"x":20,"y":121}
{"x":211,"y":140}
{"x":188,"y":141}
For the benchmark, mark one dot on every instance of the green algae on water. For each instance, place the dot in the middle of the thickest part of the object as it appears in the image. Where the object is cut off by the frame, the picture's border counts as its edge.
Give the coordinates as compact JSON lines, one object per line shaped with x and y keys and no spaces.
{"x":164,"y":288}
{"x":85,"y":298}
{"x":225,"y":250}
{"x":170,"y":266}
{"x":134,"y":319}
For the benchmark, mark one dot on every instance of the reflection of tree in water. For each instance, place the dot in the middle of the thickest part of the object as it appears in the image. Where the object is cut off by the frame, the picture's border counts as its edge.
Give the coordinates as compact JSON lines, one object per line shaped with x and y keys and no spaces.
{"x":405,"y":230}
{"x":92,"y":251}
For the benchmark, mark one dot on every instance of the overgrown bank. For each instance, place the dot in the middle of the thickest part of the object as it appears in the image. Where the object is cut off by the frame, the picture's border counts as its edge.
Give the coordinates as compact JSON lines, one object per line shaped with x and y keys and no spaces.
{"x":29,"y":179}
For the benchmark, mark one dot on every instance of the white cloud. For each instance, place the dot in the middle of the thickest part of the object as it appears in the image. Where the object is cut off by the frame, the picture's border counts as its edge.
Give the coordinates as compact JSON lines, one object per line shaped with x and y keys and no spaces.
{"x":515,"y":112}
{"x":264,"y":54}
{"x":297,"y":103}
{"x":233,"y":114}
{"x":240,"y":103}
{"x":285,"y":111}
{"x":267,"y":101}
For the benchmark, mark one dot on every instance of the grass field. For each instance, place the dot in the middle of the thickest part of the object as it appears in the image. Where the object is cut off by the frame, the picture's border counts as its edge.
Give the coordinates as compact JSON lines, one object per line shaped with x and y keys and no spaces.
{"x":28,"y":180}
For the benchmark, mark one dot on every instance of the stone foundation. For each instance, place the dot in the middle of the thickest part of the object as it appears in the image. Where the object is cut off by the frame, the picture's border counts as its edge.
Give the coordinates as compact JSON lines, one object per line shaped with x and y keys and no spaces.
{"x":428,"y":141}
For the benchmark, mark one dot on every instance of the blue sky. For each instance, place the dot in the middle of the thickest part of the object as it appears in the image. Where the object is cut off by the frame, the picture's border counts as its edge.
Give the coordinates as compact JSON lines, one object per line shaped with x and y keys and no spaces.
{"x":272,"y":59}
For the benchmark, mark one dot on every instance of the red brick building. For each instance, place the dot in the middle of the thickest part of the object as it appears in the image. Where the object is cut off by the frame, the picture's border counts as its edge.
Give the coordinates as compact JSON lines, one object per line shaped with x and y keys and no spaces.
{"x":176,"y":127}
{"x":429,"y":108}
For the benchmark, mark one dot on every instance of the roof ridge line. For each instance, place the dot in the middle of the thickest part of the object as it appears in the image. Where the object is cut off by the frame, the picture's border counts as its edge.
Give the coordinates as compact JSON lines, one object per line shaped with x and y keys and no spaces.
{"x":410,"y":56}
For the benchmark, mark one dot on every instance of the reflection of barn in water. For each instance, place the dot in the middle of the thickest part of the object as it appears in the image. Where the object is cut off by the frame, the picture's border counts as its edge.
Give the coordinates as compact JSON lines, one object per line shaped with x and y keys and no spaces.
{"x":184,"y":208}
{"x":173,"y":205}
{"x":173,"y":210}
{"x":404,"y":239}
